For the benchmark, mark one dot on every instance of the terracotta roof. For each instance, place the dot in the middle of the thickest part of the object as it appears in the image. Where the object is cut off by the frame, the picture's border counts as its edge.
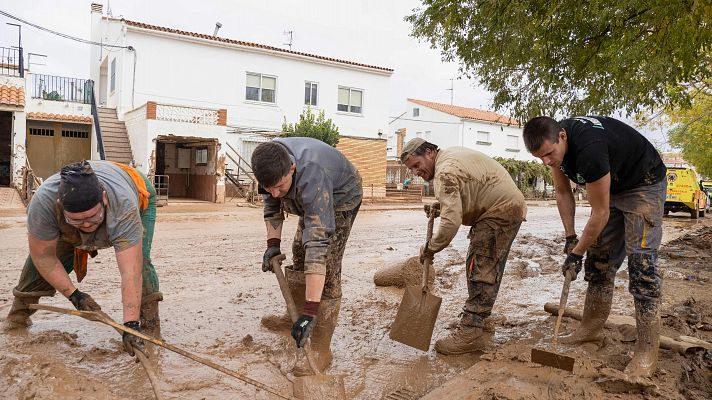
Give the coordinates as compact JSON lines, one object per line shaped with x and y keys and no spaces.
{"x":249,"y":44}
{"x":13,"y":96}
{"x":468,"y":113}
{"x":82,"y":119}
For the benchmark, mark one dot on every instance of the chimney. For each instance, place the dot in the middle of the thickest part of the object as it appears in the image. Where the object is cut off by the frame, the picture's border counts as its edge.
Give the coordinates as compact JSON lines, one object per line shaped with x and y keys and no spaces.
{"x":400,"y":139}
{"x":97,"y":8}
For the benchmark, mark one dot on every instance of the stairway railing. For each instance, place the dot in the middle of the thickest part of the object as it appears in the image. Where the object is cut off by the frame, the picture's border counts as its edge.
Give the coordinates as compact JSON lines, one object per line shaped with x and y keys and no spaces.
{"x":97,"y":128}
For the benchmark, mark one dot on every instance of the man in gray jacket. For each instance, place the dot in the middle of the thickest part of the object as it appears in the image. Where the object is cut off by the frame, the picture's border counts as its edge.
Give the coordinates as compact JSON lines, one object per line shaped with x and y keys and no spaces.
{"x":313,"y":180}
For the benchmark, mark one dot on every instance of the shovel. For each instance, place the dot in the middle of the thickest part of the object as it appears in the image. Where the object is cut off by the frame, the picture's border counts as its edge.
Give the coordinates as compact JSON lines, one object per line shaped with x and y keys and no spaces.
{"x":549,"y":358}
{"x":317,"y":386}
{"x":101,"y":317}
{"x":418,"y":310}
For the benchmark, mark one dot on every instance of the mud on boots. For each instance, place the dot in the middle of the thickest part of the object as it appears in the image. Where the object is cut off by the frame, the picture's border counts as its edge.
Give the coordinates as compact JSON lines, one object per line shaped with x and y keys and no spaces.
{"x":476,"y":191}
{"x":597,"y":307}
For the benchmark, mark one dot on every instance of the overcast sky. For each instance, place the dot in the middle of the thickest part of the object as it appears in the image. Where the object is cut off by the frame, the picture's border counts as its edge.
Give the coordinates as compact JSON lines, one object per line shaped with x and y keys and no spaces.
{"x":367,"y":31}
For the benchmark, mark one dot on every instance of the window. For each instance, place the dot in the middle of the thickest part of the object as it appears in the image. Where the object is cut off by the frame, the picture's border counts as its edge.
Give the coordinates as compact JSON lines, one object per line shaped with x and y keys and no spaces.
{"x":350,"y":100}
{"x":416,"y":112}
{"x":482,"y":137}
{"x":260,"y":88}
{"x":512,"y":143}
{"x":201,"y":156}
{"x":113,"y":74}
{"x":311,"y":91}
{"x":75,"y":134}
{"x":41,"y":132}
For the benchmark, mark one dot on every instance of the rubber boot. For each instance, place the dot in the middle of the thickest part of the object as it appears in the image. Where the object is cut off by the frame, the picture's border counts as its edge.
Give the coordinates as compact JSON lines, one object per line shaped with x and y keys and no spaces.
{"x":327,"y":319}
{"x":645,"y":356}
{"x":402,"y":274}
{"x":150,"y":319}
{"x":596,"y":309}
{"x":283,"y":322}
{"x":19,"y":315}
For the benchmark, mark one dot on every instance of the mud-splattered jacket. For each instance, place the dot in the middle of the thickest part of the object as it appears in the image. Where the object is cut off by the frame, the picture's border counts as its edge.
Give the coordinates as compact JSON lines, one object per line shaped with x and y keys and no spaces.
{"x":472,"y":187}
{"x":324,"y":182}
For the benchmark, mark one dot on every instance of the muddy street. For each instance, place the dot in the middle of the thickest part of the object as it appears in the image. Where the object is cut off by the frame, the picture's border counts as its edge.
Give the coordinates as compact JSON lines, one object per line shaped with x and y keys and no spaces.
{"x":208,"y":259}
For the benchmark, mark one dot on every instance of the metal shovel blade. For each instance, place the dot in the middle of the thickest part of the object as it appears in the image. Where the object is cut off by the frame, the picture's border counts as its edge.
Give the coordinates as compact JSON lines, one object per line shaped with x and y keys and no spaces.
{"x":551,"y":359}
{"x":415,"y":319}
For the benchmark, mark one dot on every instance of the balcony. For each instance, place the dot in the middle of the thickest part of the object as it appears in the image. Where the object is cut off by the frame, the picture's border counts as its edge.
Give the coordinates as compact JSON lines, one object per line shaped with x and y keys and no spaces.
{"x":11,"y":62}
{"x":60,"y":88}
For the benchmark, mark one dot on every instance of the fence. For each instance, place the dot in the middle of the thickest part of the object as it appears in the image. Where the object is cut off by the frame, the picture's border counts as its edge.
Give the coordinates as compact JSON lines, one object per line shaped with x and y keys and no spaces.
{"x":11,"y":63}
{"x":60,"y":88}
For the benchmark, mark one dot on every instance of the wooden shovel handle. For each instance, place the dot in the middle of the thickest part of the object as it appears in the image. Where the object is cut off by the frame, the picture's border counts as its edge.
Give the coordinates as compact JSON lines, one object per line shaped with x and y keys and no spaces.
{"x":94,"y":316}
{"x":433,"y":211}
{"x":562,"y":304}
{"x":276,"y":263}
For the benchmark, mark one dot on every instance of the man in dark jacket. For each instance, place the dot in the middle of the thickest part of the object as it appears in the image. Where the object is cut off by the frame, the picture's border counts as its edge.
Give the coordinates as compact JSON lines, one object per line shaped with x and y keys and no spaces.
{"x":313,"y":180}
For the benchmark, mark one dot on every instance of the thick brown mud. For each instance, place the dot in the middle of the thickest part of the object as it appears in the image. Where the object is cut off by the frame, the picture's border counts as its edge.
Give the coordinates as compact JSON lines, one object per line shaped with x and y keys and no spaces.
{"x":208,"y":259}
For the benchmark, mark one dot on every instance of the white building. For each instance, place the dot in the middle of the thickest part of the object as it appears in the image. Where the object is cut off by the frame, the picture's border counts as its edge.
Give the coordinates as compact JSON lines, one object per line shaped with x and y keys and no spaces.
{"x":200,"y":93}
{"x":447,"y":126}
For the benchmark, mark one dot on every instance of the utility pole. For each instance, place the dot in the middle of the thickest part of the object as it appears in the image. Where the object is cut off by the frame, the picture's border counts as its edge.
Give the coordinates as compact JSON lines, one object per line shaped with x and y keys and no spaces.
{"x":452,"y":89}
{"x":291,"y":38}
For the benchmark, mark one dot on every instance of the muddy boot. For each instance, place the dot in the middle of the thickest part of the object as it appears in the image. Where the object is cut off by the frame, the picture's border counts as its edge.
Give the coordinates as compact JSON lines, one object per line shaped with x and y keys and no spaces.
{"x":282,"y":322}
{"x":596,"y":309}
{"x":465,"y":339}
{"x":150,"y":320}
{"x":321,"y":338}
{"x":19,"y":315}
{"x":402,"y":274}
{"x":645,"y":356}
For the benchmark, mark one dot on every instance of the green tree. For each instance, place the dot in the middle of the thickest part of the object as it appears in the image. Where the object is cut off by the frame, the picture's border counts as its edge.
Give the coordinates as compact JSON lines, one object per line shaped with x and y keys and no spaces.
{"x":309,"y":125}
{"x":692,"y":132}
{"x":548,"y":57}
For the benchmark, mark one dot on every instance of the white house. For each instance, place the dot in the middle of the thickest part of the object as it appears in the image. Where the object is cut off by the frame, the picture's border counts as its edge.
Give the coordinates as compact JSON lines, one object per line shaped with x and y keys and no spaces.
{"x":200,"y":93}
{"x":446,"y":126}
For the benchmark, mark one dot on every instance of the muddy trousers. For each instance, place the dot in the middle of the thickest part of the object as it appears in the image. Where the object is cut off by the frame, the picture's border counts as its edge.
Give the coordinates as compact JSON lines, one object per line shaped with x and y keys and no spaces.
{"x":334,"y":254}
{"x":32,"y":286}
{"x":634,"y":229}
{"x":486,"y":259}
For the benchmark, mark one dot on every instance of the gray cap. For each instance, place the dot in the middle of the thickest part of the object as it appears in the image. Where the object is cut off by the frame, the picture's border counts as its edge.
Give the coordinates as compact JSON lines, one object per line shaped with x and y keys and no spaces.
{"x":410,"y":147}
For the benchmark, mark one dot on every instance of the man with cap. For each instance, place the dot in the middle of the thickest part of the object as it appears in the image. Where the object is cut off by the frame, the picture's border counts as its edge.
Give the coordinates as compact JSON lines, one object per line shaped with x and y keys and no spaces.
{"x":625,"y":185}
{"x":473,"y":190}
{"x":87,"y":206}
{"x":308,"y":178}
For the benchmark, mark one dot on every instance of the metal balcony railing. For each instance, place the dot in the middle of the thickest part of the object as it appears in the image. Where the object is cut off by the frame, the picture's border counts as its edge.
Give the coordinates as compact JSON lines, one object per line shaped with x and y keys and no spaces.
{"x":60,"y":88}
{"x":11,"y":62}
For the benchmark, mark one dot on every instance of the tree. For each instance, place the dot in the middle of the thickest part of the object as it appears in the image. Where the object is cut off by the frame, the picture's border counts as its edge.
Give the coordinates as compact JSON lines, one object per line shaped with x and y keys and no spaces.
{"x":693,"y":132}
{"x":549,"y":57}
{"x":309,"y":125}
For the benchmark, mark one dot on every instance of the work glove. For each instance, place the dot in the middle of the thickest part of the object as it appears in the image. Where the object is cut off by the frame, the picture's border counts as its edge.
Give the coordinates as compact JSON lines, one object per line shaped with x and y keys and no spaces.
{"x":425,"y":252}
{"x":572,"y":265}
{"x":83,"y":302}
{"x":272,"y":250}
{"x":571,"y":242}
{"x":305,"y":323}
{"x":131,"y":341}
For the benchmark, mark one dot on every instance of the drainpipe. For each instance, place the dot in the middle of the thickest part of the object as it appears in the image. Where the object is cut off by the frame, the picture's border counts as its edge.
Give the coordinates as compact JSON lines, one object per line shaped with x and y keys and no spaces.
{"x":133,"y":80}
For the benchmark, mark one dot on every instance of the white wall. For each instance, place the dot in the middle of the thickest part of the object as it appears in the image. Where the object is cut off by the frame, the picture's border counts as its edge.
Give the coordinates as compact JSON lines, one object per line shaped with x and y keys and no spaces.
{"x":203,"y":73}
{"x":446,"y":130}
{"x":19,"y":151}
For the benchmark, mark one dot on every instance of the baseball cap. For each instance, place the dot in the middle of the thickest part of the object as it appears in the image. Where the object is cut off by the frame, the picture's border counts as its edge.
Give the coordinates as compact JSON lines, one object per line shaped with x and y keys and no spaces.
{"x":410,"y":147}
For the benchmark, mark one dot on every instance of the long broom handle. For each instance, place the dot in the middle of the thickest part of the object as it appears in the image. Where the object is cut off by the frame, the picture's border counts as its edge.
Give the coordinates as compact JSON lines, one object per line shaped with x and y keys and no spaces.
{"x":93,"y":316}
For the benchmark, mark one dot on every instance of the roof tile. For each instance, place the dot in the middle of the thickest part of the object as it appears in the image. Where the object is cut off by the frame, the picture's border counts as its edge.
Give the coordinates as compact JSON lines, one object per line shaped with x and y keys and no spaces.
{"x":85,"y":119}
{"x":468,"y":113}
{"x":13,"y":96}
{"x":249,"y":44}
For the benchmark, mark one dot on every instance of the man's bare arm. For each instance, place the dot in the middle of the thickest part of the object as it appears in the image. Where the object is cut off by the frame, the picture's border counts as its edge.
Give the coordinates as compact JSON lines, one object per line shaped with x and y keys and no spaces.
{"x":564,"y":200}
{"x":44,"y":256}
{"x":130,"y":262}
{"x":599,"y":194}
